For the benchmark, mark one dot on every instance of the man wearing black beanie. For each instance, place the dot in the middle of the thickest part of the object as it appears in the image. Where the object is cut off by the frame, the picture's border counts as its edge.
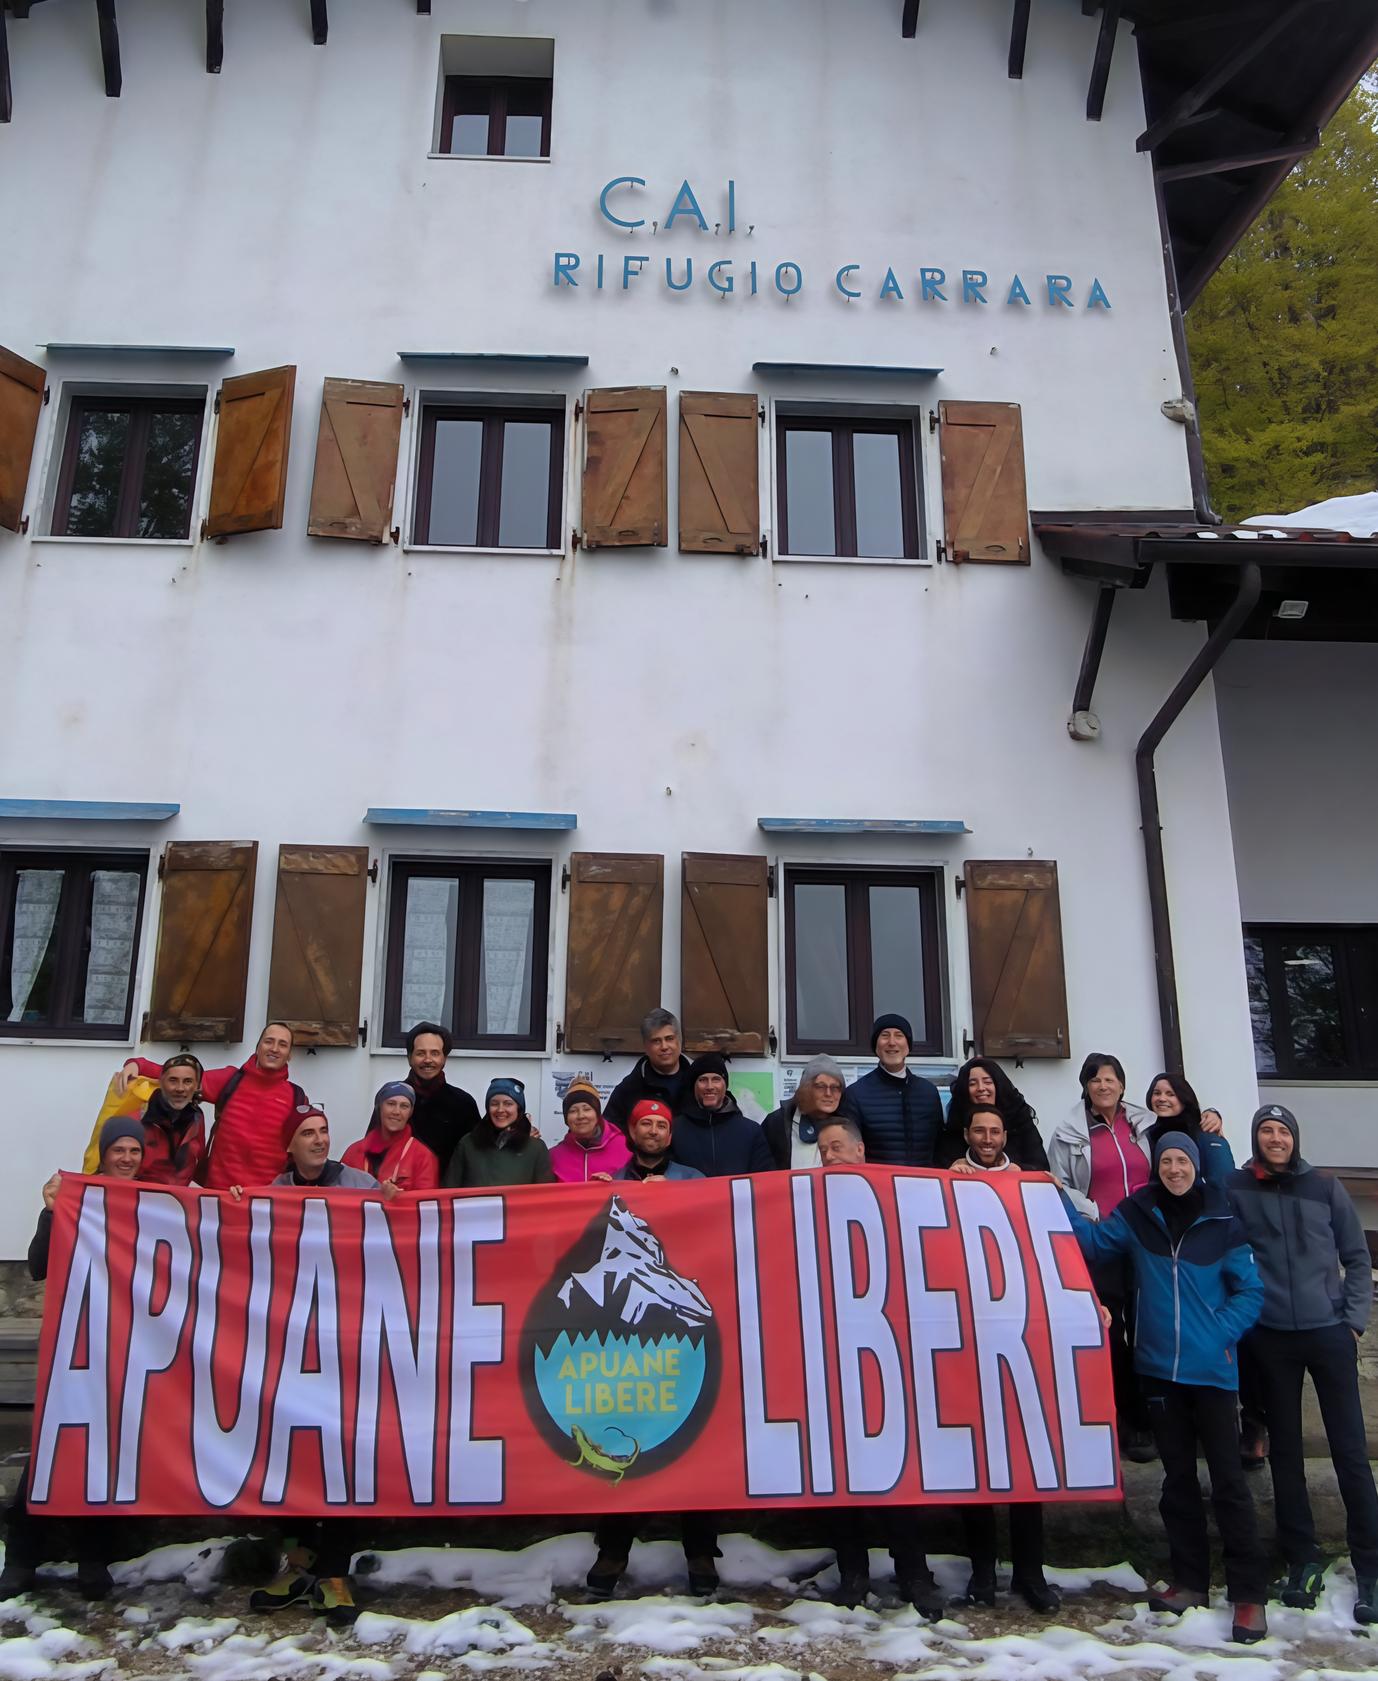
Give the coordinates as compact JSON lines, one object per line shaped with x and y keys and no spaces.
{"x":711,"y":1132}
{"x":901,"y":1114}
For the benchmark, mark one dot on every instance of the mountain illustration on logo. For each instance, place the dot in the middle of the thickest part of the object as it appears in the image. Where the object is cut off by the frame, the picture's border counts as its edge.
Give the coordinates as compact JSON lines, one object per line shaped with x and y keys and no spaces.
{"x":621,"y":1352}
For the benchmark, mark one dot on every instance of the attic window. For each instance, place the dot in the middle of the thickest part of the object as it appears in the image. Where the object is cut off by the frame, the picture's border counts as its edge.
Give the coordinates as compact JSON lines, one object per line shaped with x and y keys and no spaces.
{"x":495,"y":97}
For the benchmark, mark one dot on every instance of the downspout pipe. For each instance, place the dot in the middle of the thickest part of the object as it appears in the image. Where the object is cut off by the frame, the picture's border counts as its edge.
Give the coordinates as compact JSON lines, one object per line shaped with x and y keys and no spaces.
{"x":1246,"y":599}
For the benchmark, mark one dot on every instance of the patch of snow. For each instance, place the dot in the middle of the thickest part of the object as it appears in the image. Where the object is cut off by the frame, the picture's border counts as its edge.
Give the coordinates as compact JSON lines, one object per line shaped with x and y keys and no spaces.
{"x":1357,"y":515}
{"x":481,"y":1628}
{"x":39,"y":1657}
{"x":529,"y":1576}
{"x":203,"y":1632}
{"x":1112,"y":1575}
{"x":748,"y":1563}
{"x":198,"y":1564}
{"x":685,"y":1669}
{"x":663,"y":1625}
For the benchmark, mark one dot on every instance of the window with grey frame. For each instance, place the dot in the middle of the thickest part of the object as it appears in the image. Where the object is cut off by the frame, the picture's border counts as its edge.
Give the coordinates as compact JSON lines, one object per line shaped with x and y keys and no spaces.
{"x":848,"y":487}
{"x":1313,"y":1000}
{"x":861,"y":942}
{"x":489,"y":477}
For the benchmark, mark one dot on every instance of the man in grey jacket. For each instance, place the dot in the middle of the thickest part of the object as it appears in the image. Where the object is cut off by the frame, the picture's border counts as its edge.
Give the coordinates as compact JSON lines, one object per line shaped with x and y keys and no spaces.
{"x":1318,"y":1283}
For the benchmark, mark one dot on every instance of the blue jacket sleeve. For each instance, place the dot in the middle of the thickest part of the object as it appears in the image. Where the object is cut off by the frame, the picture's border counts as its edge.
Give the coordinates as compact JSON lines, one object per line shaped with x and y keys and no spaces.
{"x":1217,"y":1158}
{"x":1100,"y":1240}
{"x":1245,"y":1289}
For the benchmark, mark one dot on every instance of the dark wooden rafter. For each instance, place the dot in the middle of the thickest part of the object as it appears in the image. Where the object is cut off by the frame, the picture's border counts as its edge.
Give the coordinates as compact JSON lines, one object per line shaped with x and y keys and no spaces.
{"x":320,"y":22}
{"x":1100,"y":64}
{"x":423,"y":5}
{"x":909,"y":25}
{"x":1222,"y":165}
{"x":109,"y":47}
{"x":1019,"y":38}
{"x":215,"y":36}
{"x":6,"y":91}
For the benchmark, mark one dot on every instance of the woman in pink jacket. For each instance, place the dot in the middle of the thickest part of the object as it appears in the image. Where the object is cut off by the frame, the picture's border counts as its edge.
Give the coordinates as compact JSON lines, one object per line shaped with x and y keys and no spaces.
{"x":388,"y":1151}
{"x":591,"y":1149}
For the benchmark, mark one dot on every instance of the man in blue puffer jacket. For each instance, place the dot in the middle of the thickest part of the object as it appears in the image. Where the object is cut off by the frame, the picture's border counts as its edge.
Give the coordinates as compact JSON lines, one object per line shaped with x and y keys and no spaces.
{"x":900,"y":1114}
{"x":1196,"y":1292}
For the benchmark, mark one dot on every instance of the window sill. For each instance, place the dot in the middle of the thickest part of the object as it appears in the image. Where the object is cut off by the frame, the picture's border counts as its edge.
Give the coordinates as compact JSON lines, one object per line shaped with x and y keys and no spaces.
{"x":472,"y":1056}
{"x":1326,"y":1082}
{"x":124,"y":1042}
{"x":493,"y":554}
{"x":480,"y":157}
{"x":120,"y":542}
{"x":854,"y":560}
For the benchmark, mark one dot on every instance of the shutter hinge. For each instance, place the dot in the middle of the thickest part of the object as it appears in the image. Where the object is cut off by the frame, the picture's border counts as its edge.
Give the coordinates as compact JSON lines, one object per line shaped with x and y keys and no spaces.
{"x":216,"y":409}
{"x":564,"y":879}
{"x":773,"y":1041}
{"x":559,"y":1036}
{"x":406,"y":405}
{"x":162,"y":862}
{"x":575,"y":540}
{"x":762,"y":413}
{"x":143,"y":1026}
{"x":765,"y":544}
{"x":47,"y":396}
{"x":396,"y":534}
{"x":24,"y":526}
{"x":968,"y":1046}
{"x":942,"y":549}
{"x":770,"y":881}
{"x":960,"y":883}
{"x":932,"y":420}
{"x":363,"y":1033}
{"x":578,"y":410}
{"x":373,"y":871}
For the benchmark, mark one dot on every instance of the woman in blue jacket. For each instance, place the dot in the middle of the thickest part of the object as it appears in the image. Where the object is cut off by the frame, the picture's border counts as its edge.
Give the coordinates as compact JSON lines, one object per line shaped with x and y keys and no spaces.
{"x":1196,"y":1292}
{"x":1176,"y":1108}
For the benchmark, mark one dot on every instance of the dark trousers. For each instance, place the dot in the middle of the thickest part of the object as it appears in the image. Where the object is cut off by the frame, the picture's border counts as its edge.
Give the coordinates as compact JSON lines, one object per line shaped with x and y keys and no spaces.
{"x":32,"y":1541}
{"x":1026,"y":1540}
{"x":857,"y":1528}
{"x":331,"y":1540}
{"x":1183,"y":1415}
{"x":1253,"y":1414}
{"x":1130,"y":1408}
{"x":1331,"y":1356}
{"x":698,"y":1531}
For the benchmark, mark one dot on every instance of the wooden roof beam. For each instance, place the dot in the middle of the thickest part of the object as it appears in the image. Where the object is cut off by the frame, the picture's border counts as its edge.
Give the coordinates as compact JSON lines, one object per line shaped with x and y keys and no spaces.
{"x":320,"y":23}
{"x":6,"y":91}
{"x":1019,"y":38}
{"x":1240,"y":160}
{"x":910,"y":22}
{"x":1100,"y":64}
{"x":109,"y":47}
{"x":215,"y":36}
{"x":423,"y":5}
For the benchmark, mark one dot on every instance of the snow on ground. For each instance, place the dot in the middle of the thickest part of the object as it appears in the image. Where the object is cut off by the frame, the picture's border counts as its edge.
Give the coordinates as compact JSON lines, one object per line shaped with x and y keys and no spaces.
{"x":433,"y":1613}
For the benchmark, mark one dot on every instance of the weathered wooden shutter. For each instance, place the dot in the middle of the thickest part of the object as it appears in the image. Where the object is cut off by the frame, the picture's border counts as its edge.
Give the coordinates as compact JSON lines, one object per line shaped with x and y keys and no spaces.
{"x":21,"y":403}
{"x":202,"y":967}
{"x":985,"y":501}
{"x":623,"y":503}
{"x":356,"y":460}
{"x":318,"y":942}
{"x":612,"y":976}
{"x":723,"y":954}
{"x":1014,"y":931}
{"x":249,"y":482}
{"x":719,"y":495}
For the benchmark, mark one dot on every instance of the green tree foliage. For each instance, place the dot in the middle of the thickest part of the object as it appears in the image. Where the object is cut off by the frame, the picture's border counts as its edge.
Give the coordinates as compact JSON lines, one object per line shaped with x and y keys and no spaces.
{"x":1284,"y":340}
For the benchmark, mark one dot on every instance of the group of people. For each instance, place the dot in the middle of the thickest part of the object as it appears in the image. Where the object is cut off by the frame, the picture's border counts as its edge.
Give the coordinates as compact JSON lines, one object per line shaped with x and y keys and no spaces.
{"x":1211,"y":1277}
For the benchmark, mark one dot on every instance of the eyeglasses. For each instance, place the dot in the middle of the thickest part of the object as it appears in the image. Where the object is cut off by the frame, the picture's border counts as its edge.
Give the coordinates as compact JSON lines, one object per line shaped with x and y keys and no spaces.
{"x":829,"y":1088}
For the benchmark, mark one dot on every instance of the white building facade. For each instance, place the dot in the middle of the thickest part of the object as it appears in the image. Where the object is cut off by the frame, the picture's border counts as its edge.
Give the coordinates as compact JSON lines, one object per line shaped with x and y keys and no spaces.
{"x":580,"y":650}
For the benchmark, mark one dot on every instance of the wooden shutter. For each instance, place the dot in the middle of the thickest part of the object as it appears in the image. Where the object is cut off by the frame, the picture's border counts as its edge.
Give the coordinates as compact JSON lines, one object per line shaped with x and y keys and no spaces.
{"x":623,"y":502}
{"x":249,"y":483}
{"x":202,"y":967}
{"x":21,"y":403}
{"x":723,"y":964}
{"x":356,"y":460}
{"x":985,"y":501}
{"x":318,"y":942}
{"x":1018,"y":987}
{"x":719,"y":496}
{"x":612,"y":977}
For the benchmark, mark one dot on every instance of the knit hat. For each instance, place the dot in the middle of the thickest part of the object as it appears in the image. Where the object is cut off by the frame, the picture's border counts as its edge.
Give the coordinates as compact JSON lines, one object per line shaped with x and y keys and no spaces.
{"x":506,"y":1088}
{"x":823,"y":1065}
{"x":394,"y":1088}
{"x":1276,"y":1112}
{"x":297,"y":1117}
{"x":184,"y":1059}
{"x":582,"y":1091}
{"x":882,"y":1022}
{"x":117,"y":1127}
{"x":711,"y":1062}
{"x":1177,"y":1141}
{"x":649,"y":1106}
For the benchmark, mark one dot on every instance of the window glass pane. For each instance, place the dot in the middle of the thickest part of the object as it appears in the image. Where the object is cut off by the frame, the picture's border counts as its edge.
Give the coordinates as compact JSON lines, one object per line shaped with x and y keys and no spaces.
{"x":879,"y":511}
{"x":820,"y":962}
{"x":429,"y":943}
{"x":455,"y":481}
{"x":897,"y":954}
{"x":469,"y":133}
{"x":1313,"y":1002}
{"x":525,"y":119}
{"x":504,"y":980}
{"x":33,"y":943}
{"x":1260,"y":1010}
{"x":103,"y":437}
{"x":523,"y":521}
{"x":111,"y":919}
{"x":165,"y":498}
{"x":809,"y":493}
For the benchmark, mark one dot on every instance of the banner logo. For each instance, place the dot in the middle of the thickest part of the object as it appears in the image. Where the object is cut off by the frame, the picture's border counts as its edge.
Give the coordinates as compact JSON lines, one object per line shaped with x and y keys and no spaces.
{"x":621,"y":1353}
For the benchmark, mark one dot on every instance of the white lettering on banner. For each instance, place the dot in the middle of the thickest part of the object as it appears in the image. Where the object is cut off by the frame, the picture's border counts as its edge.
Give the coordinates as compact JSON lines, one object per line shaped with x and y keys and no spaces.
{"x":307,"y":1399}
{"x":476,"y":1472}
{"x":947,"y":1452}
{"x":1000,"y":1324}
{"x":154,"y":1338}
{"x":222,"y":1458}
{"x":412,"y":1355}
{"x":78,"y":1395}
{"x":774,"y":1465}
{"x":811,"y":1327}
{"x":1088,"y":1450}
{"x":874,"y":1460}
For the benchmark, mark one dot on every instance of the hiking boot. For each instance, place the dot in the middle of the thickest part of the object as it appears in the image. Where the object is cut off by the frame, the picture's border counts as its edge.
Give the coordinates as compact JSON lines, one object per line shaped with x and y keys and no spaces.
{"x":1365,"y":1601}
{"x":1253,"y":1448}
{"x":16,"y":1579}
{"x":602,"y":1580}
{"x":1303,"y":1586}
{"x":980,"y":1589}
{"x":332,"y":1597}
{"x":852,"y":1588}
{"x":1175,"y":1599}
{"x":1250,"y":1625}
{"x":703,"y":1577}
{"x":924,"y":1594}
{"x":289,"y":1587}
{"x":94,"y":1581}
{"x":1038,"y":1594}
{"x":1140,"y":1447}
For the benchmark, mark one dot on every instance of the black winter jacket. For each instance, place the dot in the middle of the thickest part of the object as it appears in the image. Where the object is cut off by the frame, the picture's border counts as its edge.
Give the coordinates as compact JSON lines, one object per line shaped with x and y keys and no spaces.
{"x":444,"y":1115}
{"x":778,"y":1127}
{"x":674,"y":1090}
{"x":900,"y":1118}
{"x":1023,"y":1143}
{"x":720,"y":1141}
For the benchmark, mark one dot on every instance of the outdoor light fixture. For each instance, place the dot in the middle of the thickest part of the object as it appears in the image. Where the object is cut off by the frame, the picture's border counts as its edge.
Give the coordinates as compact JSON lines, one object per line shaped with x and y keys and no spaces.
{"x":1292,"y":609}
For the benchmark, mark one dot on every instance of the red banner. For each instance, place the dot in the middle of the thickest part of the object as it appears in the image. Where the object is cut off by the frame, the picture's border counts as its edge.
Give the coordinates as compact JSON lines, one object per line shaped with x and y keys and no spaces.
{"x":859,"y":1336}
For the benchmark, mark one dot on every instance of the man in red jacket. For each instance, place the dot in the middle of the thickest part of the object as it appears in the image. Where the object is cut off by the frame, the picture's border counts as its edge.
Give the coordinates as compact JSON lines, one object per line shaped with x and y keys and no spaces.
{"x":251,"y":1105}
